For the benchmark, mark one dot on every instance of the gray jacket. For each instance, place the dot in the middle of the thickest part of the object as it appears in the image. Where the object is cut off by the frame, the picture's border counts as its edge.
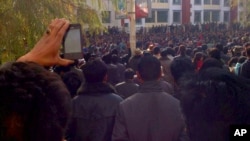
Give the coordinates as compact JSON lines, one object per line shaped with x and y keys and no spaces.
{"x":149,"y":115}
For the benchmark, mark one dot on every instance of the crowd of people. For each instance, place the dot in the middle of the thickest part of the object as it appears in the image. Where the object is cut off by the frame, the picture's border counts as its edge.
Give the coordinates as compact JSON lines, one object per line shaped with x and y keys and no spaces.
{"x":175,"y":87}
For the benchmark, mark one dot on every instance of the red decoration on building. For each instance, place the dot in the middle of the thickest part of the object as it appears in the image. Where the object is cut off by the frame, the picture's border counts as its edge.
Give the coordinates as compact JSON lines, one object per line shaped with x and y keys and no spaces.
{"x":140,"y":13}
{"x":186,"y":12}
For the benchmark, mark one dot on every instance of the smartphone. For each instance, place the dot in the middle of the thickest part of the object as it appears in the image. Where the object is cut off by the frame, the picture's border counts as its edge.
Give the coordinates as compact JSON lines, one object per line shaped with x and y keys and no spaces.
{"x":73,"y":42}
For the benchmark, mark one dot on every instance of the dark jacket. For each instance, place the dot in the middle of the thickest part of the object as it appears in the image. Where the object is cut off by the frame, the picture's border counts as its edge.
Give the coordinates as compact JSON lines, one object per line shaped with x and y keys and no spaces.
{"x":93,"y":113}
{"x":126,"y":88}
{"x":149,"y":115}
{"x":113,"y":74}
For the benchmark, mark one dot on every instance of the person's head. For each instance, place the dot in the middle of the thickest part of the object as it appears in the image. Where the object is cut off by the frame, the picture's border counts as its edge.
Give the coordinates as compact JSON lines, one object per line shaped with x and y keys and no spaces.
{"x":248,"y":52}
{"x":232,"y":62}
{"x":129,"y":73}
{"x":107,"y":58}
{"x":156,"y":50}
{"x":211,"y":62}
{"x":242,"y":59}
{"x":138,"y":52}
{"x":114,"y":59}
{"x":225,"y":50}
{"x":219,"y":46}
{"x":204,"y":47}
{"x":180,"y":67}
{"x":34,"y":103}
{"x":214,"y":53}
{"x":95,"y":71}
{"x":170,"y":51}
{"x":246,"y":45}
{"x":198,"y":56}
{"x":164,"y":53}
{"x":72,"y":81}
{"x":149,"y":68}
{"x":212,"y":101}
{"x":182,"y":50}
{"x":237,"y":51}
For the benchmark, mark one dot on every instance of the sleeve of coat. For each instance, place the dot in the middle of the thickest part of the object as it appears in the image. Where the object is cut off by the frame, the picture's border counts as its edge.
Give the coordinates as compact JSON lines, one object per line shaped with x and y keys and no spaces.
{"x":120,"y":132}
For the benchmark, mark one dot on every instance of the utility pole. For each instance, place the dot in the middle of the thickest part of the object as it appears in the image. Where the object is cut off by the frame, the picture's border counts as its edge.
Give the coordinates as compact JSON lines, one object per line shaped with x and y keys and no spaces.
{"x":132,"y":33}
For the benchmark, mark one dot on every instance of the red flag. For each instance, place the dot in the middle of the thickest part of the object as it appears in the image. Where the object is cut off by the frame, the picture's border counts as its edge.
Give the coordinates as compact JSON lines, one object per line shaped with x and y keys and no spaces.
{"x":140,"y":13}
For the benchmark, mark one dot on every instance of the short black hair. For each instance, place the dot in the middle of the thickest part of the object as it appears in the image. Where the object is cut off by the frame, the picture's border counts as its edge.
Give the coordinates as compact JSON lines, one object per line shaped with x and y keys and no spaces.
{"x":215,"y":53}
{"x":94,"y":71}
{"x":242,"y":59}
{"x":73,"y":81}
{"x":149,"y":67}
{"x":180,"y":67}
{"x":156,"y":50}
{"x":114,"y":59}
{"x":129,"y":73}
{"x":219,"y":46}
{"x":210,"y":63}
{"x":35,"y":101}
{"x":248,"y":51}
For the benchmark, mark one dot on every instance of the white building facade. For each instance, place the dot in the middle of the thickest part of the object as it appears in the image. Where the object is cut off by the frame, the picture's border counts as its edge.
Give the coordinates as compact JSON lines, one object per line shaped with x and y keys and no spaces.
{"x":168,"y":12}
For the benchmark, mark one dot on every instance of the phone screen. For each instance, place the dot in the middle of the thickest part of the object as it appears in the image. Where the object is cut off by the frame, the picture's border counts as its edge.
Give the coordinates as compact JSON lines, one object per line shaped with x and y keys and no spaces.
{"x":73,"y":43}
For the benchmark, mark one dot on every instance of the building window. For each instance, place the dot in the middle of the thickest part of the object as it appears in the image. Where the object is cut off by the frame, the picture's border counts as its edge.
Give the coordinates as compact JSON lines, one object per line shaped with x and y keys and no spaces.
{"x":226,"y":16}
{"x":177,"y":16}
{"x":215,"y":16}
{"x":197,"y":16}
{"x":216,"y":2}
{"x":197,"y":2}
{"x":138,"y":21}
{"x":162,"y":16}
{"x":176,"y":2}
{"x":226,"y":3}
{"x":211,"y":16}
{"x":106,"y":16}
{"x":152,"y":19}
{"x":206,"y":16}
{"x":207,"y":2}
{"x":163,"y":1}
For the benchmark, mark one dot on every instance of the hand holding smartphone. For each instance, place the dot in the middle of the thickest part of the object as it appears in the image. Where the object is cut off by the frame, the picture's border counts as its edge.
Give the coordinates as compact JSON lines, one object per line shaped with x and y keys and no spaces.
{"x":73,"y":42}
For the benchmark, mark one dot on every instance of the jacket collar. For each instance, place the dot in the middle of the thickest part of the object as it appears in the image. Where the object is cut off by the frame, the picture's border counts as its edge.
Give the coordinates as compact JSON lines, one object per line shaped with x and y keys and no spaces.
{"x":96,"y":88}
{"x":151,"y":86}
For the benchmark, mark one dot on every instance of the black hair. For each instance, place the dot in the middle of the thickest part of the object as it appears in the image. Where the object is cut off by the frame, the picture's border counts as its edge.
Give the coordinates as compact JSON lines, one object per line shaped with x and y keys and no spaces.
{"x":214,"y":53}
{"x":156,"y":50}
{"x":242,"y":59}
{"x":232,"y":62}
{"x":94,"y":71}
{"x":219,"y":46}
{"x":211,"y":62}
{"x":72,"y":81}
{"x":129,"y":73}
{"x":170,"y":51}
{"x":149,"y":67}
{"x":248,"y":51}
{"x":204,"y":47}
{"x":114,"y":59}
{"x":212,"y":101}
{"x":33,"y":102}
{"x":180,"y":67}
{"x":164,"y":53}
